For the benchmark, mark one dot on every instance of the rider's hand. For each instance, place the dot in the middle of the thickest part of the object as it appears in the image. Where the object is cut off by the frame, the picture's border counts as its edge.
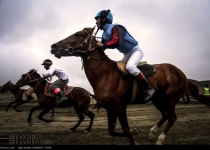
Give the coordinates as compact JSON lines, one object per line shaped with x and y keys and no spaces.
{"x":100,"y":44}
{"x":45,"y":77}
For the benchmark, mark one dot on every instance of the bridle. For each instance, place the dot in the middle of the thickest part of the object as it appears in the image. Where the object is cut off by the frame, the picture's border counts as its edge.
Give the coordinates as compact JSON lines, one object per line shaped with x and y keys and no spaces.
{"x":30,"y":81}
{"x":11,"y":86}
{"x":89,"y":49}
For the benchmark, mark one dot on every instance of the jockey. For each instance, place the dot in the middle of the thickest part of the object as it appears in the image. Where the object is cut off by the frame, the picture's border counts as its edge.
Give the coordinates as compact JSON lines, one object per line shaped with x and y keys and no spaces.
{"x":29,"y":91}
{"x":63,"y":80}
{"x":117,"y":36}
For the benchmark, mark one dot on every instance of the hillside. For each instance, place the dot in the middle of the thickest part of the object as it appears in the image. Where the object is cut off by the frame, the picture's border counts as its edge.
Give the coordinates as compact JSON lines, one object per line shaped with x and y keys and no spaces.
{"x":200,"y":84}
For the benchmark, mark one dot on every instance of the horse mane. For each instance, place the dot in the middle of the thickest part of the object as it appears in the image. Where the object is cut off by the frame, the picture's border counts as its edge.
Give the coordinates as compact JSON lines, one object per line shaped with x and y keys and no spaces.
{"x":43,"y":82}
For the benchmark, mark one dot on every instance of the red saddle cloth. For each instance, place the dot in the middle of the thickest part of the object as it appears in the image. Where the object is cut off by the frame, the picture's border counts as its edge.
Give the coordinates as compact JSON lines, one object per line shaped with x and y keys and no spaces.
{"x":65,"y":89}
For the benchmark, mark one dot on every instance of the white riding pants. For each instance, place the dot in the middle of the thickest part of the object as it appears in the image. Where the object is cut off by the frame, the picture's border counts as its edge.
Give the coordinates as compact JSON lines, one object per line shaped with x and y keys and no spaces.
{"x":133,"y":58}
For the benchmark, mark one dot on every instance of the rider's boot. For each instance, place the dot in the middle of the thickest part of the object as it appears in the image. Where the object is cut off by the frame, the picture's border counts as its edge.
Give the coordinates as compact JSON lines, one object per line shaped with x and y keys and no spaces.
{"x":149,"y":91}
{"x":61,"y":95}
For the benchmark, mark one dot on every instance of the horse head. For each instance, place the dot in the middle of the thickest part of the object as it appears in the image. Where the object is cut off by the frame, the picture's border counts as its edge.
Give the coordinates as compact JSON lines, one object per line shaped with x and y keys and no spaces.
{"x":28,"y":78}
{"x":76,"y":44}
{"x":7,"y":86}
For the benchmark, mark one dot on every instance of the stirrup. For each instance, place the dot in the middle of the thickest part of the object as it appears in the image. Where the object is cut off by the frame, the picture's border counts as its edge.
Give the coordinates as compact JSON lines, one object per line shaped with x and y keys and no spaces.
{"x":62,"y":99}
{"x":149,"y":95}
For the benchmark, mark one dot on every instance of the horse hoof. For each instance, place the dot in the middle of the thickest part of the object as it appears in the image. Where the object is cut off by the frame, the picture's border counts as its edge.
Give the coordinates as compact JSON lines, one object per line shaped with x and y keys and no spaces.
{"x":136,"y":130}
{"x":86,"y":131}
{"x":136,"y":143}
{"x":30,"y":123}
{"x":71,"y":130}
{"x":52,"y":118}
{"x":151,"y":135}
{"x":159,"y":143}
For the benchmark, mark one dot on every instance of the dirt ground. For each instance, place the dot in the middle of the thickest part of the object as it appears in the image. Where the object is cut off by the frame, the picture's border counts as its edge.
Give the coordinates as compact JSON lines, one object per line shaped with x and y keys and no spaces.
{"x":192,"y":126}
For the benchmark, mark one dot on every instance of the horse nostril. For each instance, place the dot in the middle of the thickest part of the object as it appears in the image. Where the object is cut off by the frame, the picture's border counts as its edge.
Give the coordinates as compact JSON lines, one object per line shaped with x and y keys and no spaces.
{"x":53,"y":46}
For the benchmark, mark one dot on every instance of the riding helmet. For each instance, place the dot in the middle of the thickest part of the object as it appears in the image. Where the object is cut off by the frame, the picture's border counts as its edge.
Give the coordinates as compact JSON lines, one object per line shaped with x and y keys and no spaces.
{"x":105,"y":13}
{"x":47,"y":61}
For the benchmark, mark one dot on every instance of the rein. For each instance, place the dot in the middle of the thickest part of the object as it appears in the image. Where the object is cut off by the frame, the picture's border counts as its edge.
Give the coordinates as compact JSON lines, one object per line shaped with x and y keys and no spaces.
{"x":29,"y":76}
{"x":75,"y":49}
{"x":32,"y":81}
{"x":11,"y":87}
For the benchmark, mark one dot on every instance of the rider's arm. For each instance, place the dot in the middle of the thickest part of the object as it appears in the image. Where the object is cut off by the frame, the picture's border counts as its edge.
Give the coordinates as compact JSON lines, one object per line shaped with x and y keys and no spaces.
{"x":118,"y":34}
{"x":49,"y":72}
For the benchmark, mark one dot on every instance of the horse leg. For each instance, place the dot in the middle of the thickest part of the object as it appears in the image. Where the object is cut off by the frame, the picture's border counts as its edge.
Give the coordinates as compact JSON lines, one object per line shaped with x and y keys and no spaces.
{"x":91,"y":116}
{"x":81,"y":118}
{"x":122,"y":116}
{"x":154,"y":129}
{"x":45,"y":111}
{"x":10,"y":105}
{"x":52,"y":118}
{"x":171,"y":115}
{"x":30,"y":114}
{"x":19,"y":103}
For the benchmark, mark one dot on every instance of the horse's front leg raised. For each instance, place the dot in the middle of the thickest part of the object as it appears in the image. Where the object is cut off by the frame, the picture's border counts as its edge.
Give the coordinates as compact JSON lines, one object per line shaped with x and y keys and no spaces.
{"x":10,"y":105}
{"x":19,"y":103}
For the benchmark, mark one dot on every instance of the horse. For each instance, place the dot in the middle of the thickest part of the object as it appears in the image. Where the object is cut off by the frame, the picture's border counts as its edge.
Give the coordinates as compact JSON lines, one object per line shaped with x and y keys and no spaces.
{"x":114,"y":90}
{"x":17,"y":92}
{"x":77,"y":97}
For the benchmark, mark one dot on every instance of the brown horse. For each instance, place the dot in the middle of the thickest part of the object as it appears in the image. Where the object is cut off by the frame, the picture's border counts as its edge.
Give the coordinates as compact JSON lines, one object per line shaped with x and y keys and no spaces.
{"x":78,"y":97}
{"x":114,"y":92}
{"x":17,"y":92}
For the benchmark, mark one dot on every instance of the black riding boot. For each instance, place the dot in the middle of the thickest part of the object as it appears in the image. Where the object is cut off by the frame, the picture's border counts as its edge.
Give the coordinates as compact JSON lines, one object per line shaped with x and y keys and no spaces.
{"x":149,"y":91}
{"x":62,"y":97}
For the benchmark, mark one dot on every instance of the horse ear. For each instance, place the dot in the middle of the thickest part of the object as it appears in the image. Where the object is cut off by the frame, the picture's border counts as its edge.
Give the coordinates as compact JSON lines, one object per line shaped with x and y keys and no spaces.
{"x":93,"y":29}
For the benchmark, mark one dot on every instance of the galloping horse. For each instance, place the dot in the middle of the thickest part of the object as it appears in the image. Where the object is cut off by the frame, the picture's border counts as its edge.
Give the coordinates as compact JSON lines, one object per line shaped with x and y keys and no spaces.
{"x":78,"y":97}
{"x":114,"y":92}
{"x":16,"y":91}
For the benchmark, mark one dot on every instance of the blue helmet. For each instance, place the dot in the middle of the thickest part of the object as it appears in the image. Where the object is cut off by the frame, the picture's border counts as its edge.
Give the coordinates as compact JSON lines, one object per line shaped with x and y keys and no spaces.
{"x":105,"y":13}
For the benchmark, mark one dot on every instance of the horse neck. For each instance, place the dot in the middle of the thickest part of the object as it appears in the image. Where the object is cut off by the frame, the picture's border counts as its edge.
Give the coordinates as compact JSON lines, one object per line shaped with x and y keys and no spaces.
{"x":97,"y":66}
{"x":14,"y":90}
{"x":38,"y":86}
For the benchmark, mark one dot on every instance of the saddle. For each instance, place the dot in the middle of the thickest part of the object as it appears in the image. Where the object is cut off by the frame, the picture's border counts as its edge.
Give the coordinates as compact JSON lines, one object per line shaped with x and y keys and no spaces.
{"x":65,"y":89}
{"x":146,"y":69}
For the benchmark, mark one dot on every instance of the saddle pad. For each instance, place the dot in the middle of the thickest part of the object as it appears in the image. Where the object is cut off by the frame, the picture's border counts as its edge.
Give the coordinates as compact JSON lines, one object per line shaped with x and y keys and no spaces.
{"x":65,"y":89}
{"x":146,"y":69}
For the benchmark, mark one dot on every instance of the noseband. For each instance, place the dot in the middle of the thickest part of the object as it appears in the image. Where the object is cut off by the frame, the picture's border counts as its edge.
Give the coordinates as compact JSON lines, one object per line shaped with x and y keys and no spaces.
{"x":90,"y":49}
{"x":75,"y":49}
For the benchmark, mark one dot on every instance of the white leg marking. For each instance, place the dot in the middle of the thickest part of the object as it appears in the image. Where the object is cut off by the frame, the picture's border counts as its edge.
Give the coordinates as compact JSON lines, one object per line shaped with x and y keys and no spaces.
{"x":161,"y":139}
{"x":153,"y":131}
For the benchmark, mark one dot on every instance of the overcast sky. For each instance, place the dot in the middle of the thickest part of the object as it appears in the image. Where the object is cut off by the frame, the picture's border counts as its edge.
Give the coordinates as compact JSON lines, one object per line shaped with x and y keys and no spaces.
{"x":168,"y":31}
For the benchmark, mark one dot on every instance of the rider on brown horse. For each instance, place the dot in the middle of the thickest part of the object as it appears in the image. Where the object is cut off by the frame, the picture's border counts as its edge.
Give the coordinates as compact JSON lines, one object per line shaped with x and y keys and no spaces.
{"x":63,"y":80}
{"x":116,"y":36}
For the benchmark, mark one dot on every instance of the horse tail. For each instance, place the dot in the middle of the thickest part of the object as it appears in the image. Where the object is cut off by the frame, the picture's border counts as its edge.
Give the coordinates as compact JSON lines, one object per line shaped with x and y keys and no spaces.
{"x":194,"y":92}
{"x":96,"y":105}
